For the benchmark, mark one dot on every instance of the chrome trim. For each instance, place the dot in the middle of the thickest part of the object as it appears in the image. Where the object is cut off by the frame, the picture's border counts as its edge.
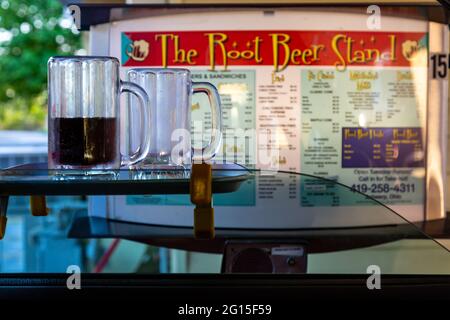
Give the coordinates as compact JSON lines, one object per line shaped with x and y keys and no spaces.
{"x":436,"y":140}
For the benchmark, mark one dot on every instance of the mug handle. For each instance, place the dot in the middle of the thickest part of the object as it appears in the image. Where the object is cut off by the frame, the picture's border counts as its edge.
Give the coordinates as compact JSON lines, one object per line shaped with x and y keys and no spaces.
{"x":208,"y":152}
{"x":144,"y":109}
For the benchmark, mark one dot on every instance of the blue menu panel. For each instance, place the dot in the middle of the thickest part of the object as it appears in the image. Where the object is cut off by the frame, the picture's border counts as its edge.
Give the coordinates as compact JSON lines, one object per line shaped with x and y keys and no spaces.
{"x":382,"y":147}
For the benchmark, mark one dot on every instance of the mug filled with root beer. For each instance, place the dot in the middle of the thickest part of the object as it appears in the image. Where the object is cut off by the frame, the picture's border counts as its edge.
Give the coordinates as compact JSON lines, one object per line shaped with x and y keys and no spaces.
{"x":83,"y":115}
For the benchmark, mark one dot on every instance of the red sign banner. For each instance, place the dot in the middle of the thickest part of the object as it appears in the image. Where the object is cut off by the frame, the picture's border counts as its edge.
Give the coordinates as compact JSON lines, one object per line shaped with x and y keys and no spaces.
{"x":280,"y":49}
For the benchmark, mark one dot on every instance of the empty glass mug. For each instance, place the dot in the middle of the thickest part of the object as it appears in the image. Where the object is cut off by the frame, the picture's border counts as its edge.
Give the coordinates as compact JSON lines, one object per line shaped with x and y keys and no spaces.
{"x":83,"y":114}
{"x":170,"y":92}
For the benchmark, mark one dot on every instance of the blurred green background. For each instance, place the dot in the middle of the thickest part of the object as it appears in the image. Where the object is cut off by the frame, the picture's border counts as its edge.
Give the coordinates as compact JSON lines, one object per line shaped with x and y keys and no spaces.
{"x":30,"y":32}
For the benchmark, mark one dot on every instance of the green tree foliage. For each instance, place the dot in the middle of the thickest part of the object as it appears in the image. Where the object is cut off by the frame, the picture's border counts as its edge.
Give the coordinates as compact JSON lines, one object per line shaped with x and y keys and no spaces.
{"x":34,"y":31}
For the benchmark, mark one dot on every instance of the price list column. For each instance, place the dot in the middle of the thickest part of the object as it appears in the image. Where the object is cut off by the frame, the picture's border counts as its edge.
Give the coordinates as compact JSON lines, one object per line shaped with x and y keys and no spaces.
{"x":320,"y":128}
{"x":279,"y":113}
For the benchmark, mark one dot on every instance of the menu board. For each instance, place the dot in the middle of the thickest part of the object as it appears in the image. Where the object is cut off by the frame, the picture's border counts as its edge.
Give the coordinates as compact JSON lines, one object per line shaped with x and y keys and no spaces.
{"x":340,"y":101}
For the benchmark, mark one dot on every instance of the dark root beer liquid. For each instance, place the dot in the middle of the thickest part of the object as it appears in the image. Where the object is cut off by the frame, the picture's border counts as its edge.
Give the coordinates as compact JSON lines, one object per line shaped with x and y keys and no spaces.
{"x":83,"y":141}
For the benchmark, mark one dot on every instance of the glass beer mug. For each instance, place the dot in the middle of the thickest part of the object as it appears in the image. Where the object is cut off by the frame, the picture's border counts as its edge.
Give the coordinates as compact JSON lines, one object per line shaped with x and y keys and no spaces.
{"x":170,"y":92}
{"x":83,"y":116}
